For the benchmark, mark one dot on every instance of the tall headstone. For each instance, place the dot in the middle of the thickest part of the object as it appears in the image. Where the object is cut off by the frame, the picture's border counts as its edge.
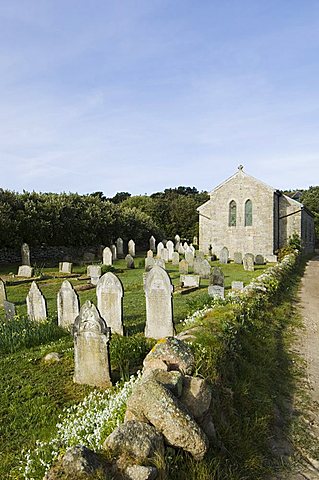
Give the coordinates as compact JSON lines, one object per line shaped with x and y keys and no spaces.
{"x":195,"y":240}
{"x":164,"y":254}
{"x":175,"y":258}
{"x":204,"y":269}
{"x":131,"y":248}
{"x":68,"y":305}
{"x":36,"y":306}
{"x":65,"y":267}
{"x":109,"y":292}
{"x":94,"y":272}
{"x":238,"y":258}
{"x":189,"y":257}
{"x":217,"y":277}
{"x":91,"y":348}
{"x":160,"y":247}
{"x":149,"y":263}
{"x":25,"y":254}
{"x":3,"y":295}
{"x":181,"y":250}
{"x":9,"y":310}
{"x":25,"y":271}
{"x":114,"y":252}
{"x":248,"y":262}
{"x":160,"y":262}
{"x":170,"y":248}
{"x":159,"y":311}
{"x":129,"y":261}
{"x":224,"y":255}
{"x":119,"y":247}
{"x":152,"y":244}
{"x":107,"y":256}
{"x":183,"y":267}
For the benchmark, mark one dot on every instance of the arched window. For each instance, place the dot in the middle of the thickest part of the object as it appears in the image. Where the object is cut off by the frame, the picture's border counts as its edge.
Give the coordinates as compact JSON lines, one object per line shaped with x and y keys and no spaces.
{"x":232,"y":214}
{"x":248,"y":213}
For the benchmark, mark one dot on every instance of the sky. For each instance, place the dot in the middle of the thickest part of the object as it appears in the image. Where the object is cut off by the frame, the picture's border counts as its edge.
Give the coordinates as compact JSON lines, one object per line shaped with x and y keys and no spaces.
{"x":144,"y":95}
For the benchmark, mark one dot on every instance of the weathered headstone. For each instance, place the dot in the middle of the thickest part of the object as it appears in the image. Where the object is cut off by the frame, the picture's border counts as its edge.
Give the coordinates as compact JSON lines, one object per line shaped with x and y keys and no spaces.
{"x":25,"y":271}
{"x":160,"y":263}
{"x":217,"y":277}
{"x":91,"y":348}
{"x":195,"y":240}
{"x":170,"y":248}
{"x":197,"y":265}
{"x":119,"y":247}
{"x":88,"y":257}
{"x":238,"y":258}
{"x":259,"y":260}
{"x":68,"y":305}
{"x":183,"y":267}
{"x":177,"y":245}
{"x":192,"y":249}
{"x":200,"y":255}
{"x":248,"y":262}
{"x":9,"y":310}
{"x":175,"y":258}
{"x":36,"y":306}
{"x":114,"y":252}
{"x":131,"y":248}
{"x":3,"y":295}
{"x":150,"y":253}
{"x":189,"y":280}
{"x":152,"y":244}
{"x":236,"y":285}
{"x":189,"y":257}
{"x":185,"y":245}
{"x":164,"y":254}
{"x":177,"y":238}
{"x":181,"y":250}
{"x":224,"y":255}
{"x":129,"y":261}
{"x":160,"y":247}
{"x":109,"y":292}
{"x":159,"y":312}
{"x":204,"y":269}
{"x":216,"y":291}
{"x":94,"y":271}
{"x":65,"y":267}
{"x":149,"y":263}
{"x":107,"y":256}
{"x":25,"y":254}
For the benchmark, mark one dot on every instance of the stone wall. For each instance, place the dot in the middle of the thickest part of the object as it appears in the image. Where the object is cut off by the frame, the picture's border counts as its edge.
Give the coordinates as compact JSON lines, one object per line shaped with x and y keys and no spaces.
{"x":48,"y":254}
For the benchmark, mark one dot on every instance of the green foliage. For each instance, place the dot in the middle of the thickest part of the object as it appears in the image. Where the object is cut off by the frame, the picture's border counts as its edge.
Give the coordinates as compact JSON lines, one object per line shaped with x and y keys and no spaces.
{"x":310,"y":198}
{"x":294,"y":243}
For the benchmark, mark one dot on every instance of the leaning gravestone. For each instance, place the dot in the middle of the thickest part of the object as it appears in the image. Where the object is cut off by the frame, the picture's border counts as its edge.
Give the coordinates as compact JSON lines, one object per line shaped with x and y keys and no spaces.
{"x":152,"y":244}
{"x":65,"y":267}
{"x":259,"y":260}
{"x":217,"y":277}
{"x":91,"y":348}
{"x":175,"y":258}
{"x":25,"y":271}
{"x":248,"y":262}
{"x":236,"y":285}
{"x":159,"y":313}
{"x":216,"y":291}
{"x":114,"y":252}
{"x":131,"y":248}
{"x":107,"y":256}
{"x":119,"y":246}
{"x":3,"y":295}
{"x":160,"y":247}
{"x":9,"y":310}
{"x":204,"y":269}
{"x":36,"y":307}
{"x":68,"y":305}
{"x":189,"y":281}
{"x":189,"y":257}
{"x":94,"y":272}
{"x":25,"y":254}
{"x":129,"y":261}
{"x":170,"y":248}
{"x":109,"y":292}
{"x":183,"y":267}
{"x":224,"y":255}
{"x":149,"y":263}
{"x":238,"y":258}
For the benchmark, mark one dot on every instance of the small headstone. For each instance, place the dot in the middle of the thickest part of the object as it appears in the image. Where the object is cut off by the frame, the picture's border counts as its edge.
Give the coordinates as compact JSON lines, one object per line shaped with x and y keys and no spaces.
{"x":170,"y":248}
{"x":94,"y":271}
{"x":119,"y":247}
{"x":238,"y":258}
{"x":217,"y":277}
{"x":189,"y":280}
{"x":114,"y":252}
{"x":195,"y":240}
{"x":149,"y":263}
{"x":204,"y":269}
{"x":216,"y":291}
{"x":109,"y":292}
{"x":185,"y":245}
{"x":131,"y":248}
{"x":248,"y":262}
{"x":3,"y":295}
{"x":25,"y":271}
{"x":88,"y":257}
{"x":197,"y":265}
{"x":150,"y":253}
{"x":164,"y":242}
{"x":224,"y":255}
{"x":107,"y":256}
{"x":152,"y":244}
{"x":189,"y":257}
{"x":36,"y":306}
{"x":160,"y":247}
{"x":129,"y":261}
{"x":259,"y":260}
{"x":175,"y":258}
{"x":91,"y":348}
{"x":177,"y":238}
{"x":192,"y":249}
{"x":9,"y":310}
{"x":177,"y":245}
{"x":160,"y":263}
{"x":200,"y":255}
{"x":235,"y":285}
{"x":25,"y":254}
{"x":159,"y":312}
{"x":181,"y":250}
{"x":164,"y":254}
{"x":183,"y":267}
{"x":65,"y":267}
{"x":68,"y":305}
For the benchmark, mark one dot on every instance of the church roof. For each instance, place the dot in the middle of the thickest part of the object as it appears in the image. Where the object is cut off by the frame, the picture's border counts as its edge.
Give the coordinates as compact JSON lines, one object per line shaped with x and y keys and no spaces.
{"x":240,"y":172}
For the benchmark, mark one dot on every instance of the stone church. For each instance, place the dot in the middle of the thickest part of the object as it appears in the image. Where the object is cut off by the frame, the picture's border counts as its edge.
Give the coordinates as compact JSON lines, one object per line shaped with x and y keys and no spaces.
{"x":246,"y":215}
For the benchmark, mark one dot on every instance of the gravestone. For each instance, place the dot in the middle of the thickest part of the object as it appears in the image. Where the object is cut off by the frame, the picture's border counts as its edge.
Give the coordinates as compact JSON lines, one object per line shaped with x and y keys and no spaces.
{"x":200,"y":255}
{"x":131,"y":248}
{"x":195,"y":240}
{"x":150,"y":254}
{"x":175,"y":258}
{"x":259,"y":260}
{"x":9,"y":310}
{"x":177,"y":245}
{"x":160,"y":263}
{"x":152,"y":244}
{"x":114,"y":252}
{"x":181,"y":250}
{"x":94,"y":272}
{"x":149,"y":263}
{"x":189,"y":280}
{"x":204,"y":269}
{"x":189,"y":257}
{"x":36,"y":307}
{"x":192,"y":249}
{"x":170,"y":248}
{"x":185,"y":245}
{"x":183,"y":266}
{"x":25,"y":271}
{"x":3,"y":295}
{"x":216,"y":291}
{"x":164,"y":242}
{"x":236,"y":285}
{"x":25,"y":254}
{"x":160,"y":247}
{"x":177,"y":238}
{"x":164,"y":254}
{"x":159,"y":313}
{"x":217,"y":277}
{"x":129,"y":261}
{"x":224,"y":255}
{"x":107,"y":256}
{"x":91,"y":348}
{"x":68,"y":305}
{"x":197,"y":264}
{"x":109,"y":292}
{"x":248,"y":262}
{"x":119,"y":247}
{"x":65,"y":267}
{"x":238,"y":258}
{"x":88,"y":257}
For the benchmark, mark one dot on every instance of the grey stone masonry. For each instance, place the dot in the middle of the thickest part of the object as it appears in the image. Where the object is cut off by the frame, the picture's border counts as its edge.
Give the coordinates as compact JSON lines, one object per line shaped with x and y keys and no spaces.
{"x":129,"y":261}
{"x":238,"y":258}
{"x":248,"y":262}
{"x":3,"y":295}
{"x":217,"y":277}
{"x":259,"y":260}
{"x":36,"y":306}
{"x":119,"y":247}
{"x":25,"y":271}
{"x":159,"y":311}
{"x":25,"y":254}
{"x":65,"y":267}
{"x":9,"y":310}
{"x":224,"y":255}
{"x":107,"y":256}
{"x":152,"y":242}
{"x":183,"y":267}
{"x":94,"y":271}
{"x":91,"y":348}
{"x":109,"y":292}
{"x":68,"y":305}
{"x":131,"y":248}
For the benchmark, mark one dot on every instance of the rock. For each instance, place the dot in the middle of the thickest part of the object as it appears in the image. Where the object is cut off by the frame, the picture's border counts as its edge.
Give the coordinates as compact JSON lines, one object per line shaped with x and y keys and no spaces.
{"x":139,"y":472}
{"x":196,"y":396}
{"x":207,"y":425}
{"x":175,"y":353}
{"x":78,"y":463}
{"x":152,"y":401}
{"x":172,"y":380}
{"x":52,"y":357}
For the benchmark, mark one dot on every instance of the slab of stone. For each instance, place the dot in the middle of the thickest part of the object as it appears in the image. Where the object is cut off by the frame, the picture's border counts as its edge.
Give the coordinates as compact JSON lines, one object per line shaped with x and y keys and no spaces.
{"x":175,"y":258}
{"x":259,"y":260}
{"x":9,"y":310}
{"x":65,"y":267}
{"x":114,"y":252}
{"x":160,"y":263}
{"x":160,"y":246}
{"x":204,"y":269}
{"x":189,"y":257}
{"x":170,"y":354}
{"x":141,"y":472}
{"x":170,"y":248}
{"x":68,"y":305}
{"x":152,"y":243}
{"x":224,"y":255}
{"x":3,"y":295}
{"x":216,"y":291}
{"x":119,"y":247}
{"x":181,"y":250}
{"x":107,"y":256}
{"x":129,"y":260}
{"x":189,"y":280}
{"x":248,"y":262}
{"x":217,"y":277}
{"x":150,"y":253}
{"x":25,"y":271}
{"x":238,"y":258}
{"x":149,"y":263}
{"x":36,"y":306}
{"x":94,"y":272}
{"x":196,"y":395}
{"x":109,"y":292}
{"x":131,"y":248}
{"x":164,"y":254}
{"x":159,"y":311}
{"x":25,"y":254}
{"x":236,"y":285}
{"x":195,"y":240}
{"x":91,"y":348}
{"x":183,"y":267}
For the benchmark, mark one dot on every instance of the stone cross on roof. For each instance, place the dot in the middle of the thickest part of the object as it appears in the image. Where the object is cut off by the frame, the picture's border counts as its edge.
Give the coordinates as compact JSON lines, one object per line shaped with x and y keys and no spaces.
{"x":240,"y":167}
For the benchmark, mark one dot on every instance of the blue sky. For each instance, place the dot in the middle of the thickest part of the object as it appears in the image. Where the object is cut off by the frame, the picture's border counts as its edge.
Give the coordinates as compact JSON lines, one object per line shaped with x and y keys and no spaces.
{"x":144,"y":95}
